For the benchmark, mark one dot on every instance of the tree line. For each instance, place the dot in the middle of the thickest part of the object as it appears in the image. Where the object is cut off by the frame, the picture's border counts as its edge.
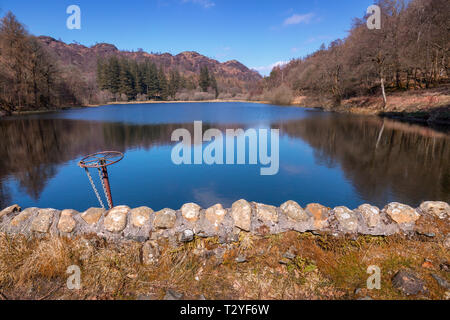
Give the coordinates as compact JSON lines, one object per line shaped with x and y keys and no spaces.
{"x":132,"y":80}
{"x":28,"y":76}
{"x":31,"y":78}
{"x":411,"y":50}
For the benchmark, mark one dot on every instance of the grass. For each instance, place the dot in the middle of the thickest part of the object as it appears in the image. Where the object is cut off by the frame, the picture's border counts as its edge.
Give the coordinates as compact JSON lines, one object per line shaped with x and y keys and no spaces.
{"x":324,"y":267}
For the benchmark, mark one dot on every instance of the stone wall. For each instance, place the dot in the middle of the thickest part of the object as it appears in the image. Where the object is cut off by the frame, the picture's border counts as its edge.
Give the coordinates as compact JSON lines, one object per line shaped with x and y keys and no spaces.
{"x":141,"y":224}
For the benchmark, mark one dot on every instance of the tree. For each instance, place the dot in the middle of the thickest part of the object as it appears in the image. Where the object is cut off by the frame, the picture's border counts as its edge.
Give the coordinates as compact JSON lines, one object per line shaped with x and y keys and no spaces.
{"x":214,"y":85}
{"x":204,"y":80}
{"x":163,"y":87}
{"x":174,"y":83}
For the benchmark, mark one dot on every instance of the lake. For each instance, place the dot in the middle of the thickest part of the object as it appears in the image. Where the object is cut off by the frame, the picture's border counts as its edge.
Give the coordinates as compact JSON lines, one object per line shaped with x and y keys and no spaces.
{"x":329,"y":158}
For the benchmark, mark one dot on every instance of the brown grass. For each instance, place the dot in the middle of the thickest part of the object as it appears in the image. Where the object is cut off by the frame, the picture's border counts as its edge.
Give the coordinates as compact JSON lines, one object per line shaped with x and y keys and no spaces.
{"x":324,"y":268}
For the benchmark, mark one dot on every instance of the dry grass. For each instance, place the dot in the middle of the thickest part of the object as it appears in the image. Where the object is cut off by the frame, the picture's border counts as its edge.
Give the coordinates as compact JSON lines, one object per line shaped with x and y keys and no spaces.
{"x":323,"y":268}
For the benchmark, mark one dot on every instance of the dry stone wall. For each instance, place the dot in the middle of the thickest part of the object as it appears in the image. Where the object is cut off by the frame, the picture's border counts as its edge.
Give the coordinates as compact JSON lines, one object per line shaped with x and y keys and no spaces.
{"x":143,"y":224}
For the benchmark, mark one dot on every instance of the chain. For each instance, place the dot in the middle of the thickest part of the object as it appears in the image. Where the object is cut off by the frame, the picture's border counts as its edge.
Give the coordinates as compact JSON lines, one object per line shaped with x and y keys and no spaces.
{"x":94,"y":188}
{"x":104,"y":188}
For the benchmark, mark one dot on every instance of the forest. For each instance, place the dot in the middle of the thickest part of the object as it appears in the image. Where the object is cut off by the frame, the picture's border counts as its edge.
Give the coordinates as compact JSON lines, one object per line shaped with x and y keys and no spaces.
{"x":128,"y":80}
{"x":410,"y":51}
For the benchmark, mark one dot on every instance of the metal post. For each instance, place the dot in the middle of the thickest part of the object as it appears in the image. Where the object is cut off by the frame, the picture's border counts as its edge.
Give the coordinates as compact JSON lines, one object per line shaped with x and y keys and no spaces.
{"x":106,"y":183}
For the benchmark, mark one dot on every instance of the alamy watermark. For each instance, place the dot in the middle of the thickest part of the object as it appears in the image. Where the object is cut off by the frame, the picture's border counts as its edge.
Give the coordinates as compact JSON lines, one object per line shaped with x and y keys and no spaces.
{"x":374,"y":281}
{"x":259,"y":142}
{"x":74,"y":20}
{"x":374,"y":18}
{"x":74,"y":280}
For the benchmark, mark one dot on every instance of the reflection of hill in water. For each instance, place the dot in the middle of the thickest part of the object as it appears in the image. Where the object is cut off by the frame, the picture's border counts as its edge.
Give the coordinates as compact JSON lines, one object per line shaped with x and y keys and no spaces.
{"x":410,"y":162}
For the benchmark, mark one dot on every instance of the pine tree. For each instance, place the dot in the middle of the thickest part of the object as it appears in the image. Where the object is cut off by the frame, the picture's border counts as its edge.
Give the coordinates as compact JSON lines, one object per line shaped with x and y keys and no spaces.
{"x":174,"y":83}
{"x":126,"y":80}
{"x":204,"y":80}
{"x":163,"y":86}
{"x":214,"y":85}
{"x":151,"y":80}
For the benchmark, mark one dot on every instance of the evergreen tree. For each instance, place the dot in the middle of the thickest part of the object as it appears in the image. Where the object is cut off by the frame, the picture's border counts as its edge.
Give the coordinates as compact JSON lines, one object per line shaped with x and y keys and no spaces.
{"x":163,"y":86}
{"x":204,"y":80}
{"x":214,"y":85}
{"x":174,"y":83}
{"x":151,"y":79}
{"x":126,"y":80}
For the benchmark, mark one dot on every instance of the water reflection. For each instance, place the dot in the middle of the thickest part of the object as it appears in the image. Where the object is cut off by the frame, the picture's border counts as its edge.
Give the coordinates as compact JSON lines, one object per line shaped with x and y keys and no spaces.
{"x":330,"y":158}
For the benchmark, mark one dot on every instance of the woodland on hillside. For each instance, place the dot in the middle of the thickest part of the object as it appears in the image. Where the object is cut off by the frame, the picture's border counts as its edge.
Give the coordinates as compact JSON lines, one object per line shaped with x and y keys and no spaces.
{"x":410,"y":51}
{"x":127,"y":80}
{"x":35,"y":76}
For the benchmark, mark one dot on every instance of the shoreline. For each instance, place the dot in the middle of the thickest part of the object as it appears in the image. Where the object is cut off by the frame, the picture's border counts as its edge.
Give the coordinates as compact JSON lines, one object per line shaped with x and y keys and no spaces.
{"x":426,"y":108}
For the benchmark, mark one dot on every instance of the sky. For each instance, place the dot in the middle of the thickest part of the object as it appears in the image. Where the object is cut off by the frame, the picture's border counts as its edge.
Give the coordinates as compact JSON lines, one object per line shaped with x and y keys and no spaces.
{"x":260,"y":34}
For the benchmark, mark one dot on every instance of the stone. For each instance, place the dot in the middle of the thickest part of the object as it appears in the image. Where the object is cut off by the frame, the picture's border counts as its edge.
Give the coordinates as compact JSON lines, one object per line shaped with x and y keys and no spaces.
{"x":439,"y":209}
{"x":165,"y":219}
{"x":347,"y":219}
{"x":116,"y":218}
{"x":139,"y":217}
{"x":173,"y":295}
{"x":293,"y":211}
{"x":43,"y":220}
{"x":21,"y":217}
{"x":447,"y":242}
{"x":320,"y":214}
{"x":371,"y":214}
{"x":401,"y":213}
{"x":9,"y":210}
{"x":266,"y":212}
{"x":408,"y":283}
{"x":215,"y":214}
{"x":66,"y":221}
{"x":441,"y":281}
{"x":186,"y":236}
{"x":190,"y":211}
{"x":289,"y":255}
{"x":92,"y":215}
{"x":241,"y":259}
{"x":241,"y":211}
{"x":150,"y":253}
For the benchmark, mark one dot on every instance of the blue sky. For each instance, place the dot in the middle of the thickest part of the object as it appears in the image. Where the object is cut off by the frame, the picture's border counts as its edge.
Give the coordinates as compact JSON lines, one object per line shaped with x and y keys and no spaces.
{"x":256,"y":33}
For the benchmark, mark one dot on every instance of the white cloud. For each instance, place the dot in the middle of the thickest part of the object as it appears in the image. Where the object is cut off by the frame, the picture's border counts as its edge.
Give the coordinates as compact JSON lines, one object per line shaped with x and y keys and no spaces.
{"x":203,"y":3}
{"x":298,"y":18}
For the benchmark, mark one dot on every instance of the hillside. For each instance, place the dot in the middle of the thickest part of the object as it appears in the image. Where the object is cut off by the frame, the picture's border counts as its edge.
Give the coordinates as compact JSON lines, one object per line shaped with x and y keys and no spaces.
{"x":231,"y":74}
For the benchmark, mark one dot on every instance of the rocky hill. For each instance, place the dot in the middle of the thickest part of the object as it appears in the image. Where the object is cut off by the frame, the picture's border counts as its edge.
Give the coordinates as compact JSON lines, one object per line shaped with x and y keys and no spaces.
{"x":188,"y":63}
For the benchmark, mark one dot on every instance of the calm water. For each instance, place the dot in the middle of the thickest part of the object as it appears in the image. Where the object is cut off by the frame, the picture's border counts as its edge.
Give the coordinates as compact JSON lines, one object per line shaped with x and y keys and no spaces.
{"x":328,"y":158}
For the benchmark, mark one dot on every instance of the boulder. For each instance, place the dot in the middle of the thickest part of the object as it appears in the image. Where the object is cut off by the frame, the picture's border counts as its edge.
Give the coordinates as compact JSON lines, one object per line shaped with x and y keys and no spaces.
{"x":190,"y":211}
{"x":438,"y":209}
{"x":347,"y":219}
{"x":371,"y":214}
{"x":9,"y":210}
{"x":293,"y":211}
{"x":92,"y":215}
{"x":116,"y":219}
{"x":266,"y":213}
{"x":241,"y":211}
{"x":139,"y":217}
{"x":186,"y":236}
{"x":165,"y":219}
{"x":215,"y":214}
{"x":408,"y":283}
{"x":42,"y":222}
{"x":21,"y":217}
{"x":401,"y":213}
{"x":320,"y":214}
{"x":66,"y":221}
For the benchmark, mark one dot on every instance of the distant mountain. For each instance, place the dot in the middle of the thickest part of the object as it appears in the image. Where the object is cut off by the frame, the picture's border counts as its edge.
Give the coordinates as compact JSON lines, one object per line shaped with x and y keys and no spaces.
{"x":188,"y":63}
